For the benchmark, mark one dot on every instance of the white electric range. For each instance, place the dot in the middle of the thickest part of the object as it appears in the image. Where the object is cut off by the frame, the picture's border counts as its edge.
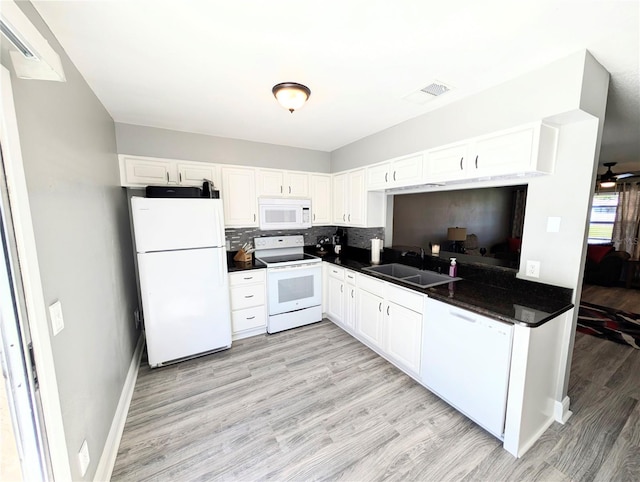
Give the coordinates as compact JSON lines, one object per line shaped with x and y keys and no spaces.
{"x":294,"y":282}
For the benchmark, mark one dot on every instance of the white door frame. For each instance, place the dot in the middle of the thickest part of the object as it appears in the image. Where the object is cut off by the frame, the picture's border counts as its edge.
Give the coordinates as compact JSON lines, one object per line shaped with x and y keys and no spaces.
{"x":30,"y":272}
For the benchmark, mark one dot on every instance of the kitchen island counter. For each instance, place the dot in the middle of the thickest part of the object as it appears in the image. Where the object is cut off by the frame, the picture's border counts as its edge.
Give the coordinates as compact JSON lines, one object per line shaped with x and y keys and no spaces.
{"x":494,"y":293}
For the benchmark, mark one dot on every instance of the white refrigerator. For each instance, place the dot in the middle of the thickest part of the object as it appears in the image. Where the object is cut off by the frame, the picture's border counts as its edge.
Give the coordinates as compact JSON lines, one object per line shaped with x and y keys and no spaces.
{"x":182,"y":269}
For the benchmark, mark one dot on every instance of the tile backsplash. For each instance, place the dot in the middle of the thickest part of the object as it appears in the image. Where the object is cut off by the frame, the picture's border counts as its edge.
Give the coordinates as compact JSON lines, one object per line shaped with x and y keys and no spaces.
{"x":356,"y":237}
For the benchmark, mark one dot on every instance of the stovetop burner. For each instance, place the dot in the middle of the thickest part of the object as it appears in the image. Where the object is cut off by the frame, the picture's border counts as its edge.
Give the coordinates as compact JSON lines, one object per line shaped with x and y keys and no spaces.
{"x":287,"y":258}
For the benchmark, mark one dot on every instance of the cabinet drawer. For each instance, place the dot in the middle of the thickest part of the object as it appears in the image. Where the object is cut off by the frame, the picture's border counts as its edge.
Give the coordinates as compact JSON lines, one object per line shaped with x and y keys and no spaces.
{"x":248,"y":318}
{"x":350,"y":276}
{"x":247,"y":277}
{"x":409,"y":299}
{"x":372,"y":285}
{"x":247,"y":296}
{"x":335,"y":272}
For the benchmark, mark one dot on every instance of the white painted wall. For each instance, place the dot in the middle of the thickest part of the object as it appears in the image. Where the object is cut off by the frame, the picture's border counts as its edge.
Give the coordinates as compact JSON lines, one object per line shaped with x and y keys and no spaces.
{"x":155,"y":142}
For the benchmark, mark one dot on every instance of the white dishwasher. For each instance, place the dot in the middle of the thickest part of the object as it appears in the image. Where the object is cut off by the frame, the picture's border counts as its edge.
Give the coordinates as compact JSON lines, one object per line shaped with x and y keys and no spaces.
{"x":465,"y":360}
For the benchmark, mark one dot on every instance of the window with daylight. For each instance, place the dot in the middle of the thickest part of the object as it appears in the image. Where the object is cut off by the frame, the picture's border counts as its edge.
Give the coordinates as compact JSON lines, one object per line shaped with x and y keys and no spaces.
{"x":603,"y":215}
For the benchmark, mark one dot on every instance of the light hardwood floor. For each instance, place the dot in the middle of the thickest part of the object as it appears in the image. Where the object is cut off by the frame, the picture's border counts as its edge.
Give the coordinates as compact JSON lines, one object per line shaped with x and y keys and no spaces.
{"x":314,"y":403}
{"x":612,"y":297}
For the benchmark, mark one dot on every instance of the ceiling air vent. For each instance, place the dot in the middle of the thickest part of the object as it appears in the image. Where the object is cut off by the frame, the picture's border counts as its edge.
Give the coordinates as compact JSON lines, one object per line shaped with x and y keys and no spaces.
{"x":430,"y":92}
{"x":435,"y":89}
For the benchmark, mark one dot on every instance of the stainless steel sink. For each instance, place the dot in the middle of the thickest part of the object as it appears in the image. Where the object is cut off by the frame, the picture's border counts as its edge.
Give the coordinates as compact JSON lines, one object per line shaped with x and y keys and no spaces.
{"x":411,"y":275}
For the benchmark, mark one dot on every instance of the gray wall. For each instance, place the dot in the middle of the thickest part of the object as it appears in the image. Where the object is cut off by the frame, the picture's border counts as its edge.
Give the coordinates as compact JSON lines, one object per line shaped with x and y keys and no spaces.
{"x":156,"y":142}
{"x":419,"y":219}
{"x":81,"y":226}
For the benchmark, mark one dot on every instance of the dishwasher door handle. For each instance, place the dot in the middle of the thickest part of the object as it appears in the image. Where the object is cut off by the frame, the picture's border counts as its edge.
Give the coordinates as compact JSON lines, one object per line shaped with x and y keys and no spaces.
{"x":463,"y":317}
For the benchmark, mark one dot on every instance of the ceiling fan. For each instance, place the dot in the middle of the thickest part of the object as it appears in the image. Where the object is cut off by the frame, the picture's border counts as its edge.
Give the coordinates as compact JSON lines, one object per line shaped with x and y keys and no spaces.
{"x":609,"y":178}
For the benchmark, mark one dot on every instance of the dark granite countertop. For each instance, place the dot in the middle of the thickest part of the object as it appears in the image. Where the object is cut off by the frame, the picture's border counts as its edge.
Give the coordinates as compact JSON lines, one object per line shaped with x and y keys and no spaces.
{"x":495,"y":293}
{"x":241,"y":266}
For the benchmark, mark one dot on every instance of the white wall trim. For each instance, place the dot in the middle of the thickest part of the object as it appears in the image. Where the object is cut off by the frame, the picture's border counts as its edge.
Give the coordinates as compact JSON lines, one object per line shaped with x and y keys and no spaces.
{"x":32,"y":283}
{"x":561,"y":412}
{"x":110,"y":451}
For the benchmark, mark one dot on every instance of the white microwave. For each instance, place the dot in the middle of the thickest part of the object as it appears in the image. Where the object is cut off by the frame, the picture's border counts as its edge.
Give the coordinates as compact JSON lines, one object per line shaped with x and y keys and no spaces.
{"x":284,"y":213}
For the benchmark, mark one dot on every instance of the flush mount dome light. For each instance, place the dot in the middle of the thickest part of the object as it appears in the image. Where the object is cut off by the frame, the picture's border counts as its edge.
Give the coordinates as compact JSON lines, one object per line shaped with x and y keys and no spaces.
{"x":291,"y":95}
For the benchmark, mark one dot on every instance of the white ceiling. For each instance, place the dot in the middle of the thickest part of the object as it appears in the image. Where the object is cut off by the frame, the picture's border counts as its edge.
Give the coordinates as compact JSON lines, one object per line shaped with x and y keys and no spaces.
{"x":208,"y":66}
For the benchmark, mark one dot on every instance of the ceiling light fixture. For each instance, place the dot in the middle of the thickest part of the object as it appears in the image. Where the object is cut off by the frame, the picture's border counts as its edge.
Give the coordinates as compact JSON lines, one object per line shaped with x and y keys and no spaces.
{"x":608,"y":179}
{"x":291,"y":95}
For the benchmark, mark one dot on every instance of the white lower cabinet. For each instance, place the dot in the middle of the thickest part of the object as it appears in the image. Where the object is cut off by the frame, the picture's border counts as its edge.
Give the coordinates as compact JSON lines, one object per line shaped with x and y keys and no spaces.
{"x":403,"y":336}
{"x":248,"y":303}
{"x":335,"y":294}
{"x":465,"y":360}
{"x":350,"y":299}
{"x":370,"y":317}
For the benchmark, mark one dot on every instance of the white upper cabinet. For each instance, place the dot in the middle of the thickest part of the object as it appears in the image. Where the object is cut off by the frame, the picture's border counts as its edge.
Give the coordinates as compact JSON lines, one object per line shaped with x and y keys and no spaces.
{"x":238,"y":192}
{"x":296,"y":183}
{"x":353,"y":205}
{"x":136,"y":171}
{"x":194,"y":173}
{"x":141,"y":171}
{"x":274,"y":182}
{"x":400,"y":172}
{"x":320,"y":190}
{"x":521,"y":150}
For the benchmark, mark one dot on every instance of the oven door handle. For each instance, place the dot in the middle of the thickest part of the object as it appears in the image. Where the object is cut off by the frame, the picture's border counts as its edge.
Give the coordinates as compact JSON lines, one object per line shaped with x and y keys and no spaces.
{"x":296,"y":267}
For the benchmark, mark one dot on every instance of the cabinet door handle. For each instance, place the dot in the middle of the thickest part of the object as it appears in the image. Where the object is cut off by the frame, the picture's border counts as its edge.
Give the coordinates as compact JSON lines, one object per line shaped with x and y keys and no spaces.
{"x":248,"y":277}
{"x":476,"y":162}
{"x":254,"y":217}
{"x":248,"y":296}
{"x":280,"y":189}
{"x":387,"y":310}
{"x":380,"y":307}
{"x":341,"y":286}
{"x":289,"y":189}
{"x":349,"y":217}
{"x":343,"y":217}
{"x":386,"y":177}
{"x":167,"y":177}
{"x":461,"y":162}
{"x":394,"y":175}
{"x":251,"y":317}
{"x":314,"y":216}
{"x":462,"y":317}
{"x":353,"y":294}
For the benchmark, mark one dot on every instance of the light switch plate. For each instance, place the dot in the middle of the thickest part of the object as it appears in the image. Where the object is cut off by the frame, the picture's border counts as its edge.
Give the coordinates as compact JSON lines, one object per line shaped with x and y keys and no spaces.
{"x":57,"y":322}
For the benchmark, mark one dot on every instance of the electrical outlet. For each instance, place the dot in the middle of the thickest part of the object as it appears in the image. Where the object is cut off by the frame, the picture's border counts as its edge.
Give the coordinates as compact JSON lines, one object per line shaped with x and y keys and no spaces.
{"x":57,"y":322}
{"x":533,"y":269}
{"x":83,"y":457}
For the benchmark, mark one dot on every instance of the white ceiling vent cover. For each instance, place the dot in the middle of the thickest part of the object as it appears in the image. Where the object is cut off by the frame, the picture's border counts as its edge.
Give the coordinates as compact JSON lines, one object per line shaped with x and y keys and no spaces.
{"x":430,"y":92}
{"x":435,"y":89}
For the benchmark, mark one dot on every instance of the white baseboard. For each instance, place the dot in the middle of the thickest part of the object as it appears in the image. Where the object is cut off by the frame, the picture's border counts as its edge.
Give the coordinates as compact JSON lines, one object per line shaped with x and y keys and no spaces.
{"x":561,"y":411}
{"x":108,"y":458}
